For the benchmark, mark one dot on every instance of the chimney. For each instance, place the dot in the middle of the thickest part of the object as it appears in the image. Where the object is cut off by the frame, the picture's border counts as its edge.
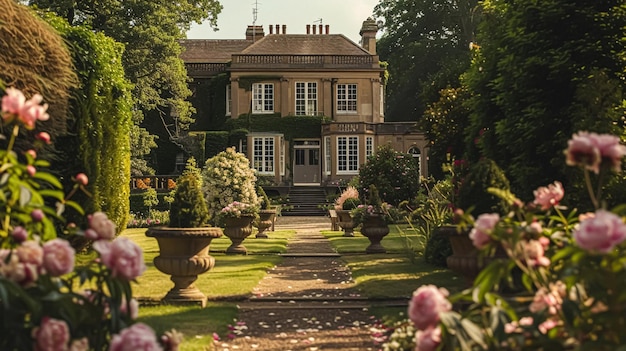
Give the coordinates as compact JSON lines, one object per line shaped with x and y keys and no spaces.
{"x":321,"y":29}
{"x":314,"y":29}
{"x":254,"y":33}
{"x":284,"y":29}
{"x":368,"y":35}
{"x":278,"y":29}
{"x":327,"y":28}
{"x":271,"y":29}
{"x":308,"y":29}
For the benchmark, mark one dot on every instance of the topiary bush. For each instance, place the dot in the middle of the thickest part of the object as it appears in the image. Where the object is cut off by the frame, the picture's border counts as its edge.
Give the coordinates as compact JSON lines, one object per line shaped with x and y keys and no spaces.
{"x":227,"y":177}
{"x":473,"y":194}
{"x":264,"y":200}
{"x":437,"y":250}
{"x":395,"y":174}
{"x":188,"y":208}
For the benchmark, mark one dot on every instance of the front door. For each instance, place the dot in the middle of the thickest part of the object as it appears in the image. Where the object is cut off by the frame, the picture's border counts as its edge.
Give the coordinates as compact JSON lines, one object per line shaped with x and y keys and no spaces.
{"x":306,"y":163}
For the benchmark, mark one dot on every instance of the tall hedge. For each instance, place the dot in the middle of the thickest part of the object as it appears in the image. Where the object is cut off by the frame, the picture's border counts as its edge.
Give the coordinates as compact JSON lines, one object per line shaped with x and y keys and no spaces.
{"x":98,"y":140}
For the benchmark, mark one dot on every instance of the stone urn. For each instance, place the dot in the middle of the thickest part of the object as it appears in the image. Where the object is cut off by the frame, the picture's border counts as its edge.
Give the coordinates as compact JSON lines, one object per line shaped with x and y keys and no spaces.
{"x":345,"y":222}
{"x":375,"y":229}
{"x":265,"y":222}
{"x":237,"y":229}
{"x":184,"y":254}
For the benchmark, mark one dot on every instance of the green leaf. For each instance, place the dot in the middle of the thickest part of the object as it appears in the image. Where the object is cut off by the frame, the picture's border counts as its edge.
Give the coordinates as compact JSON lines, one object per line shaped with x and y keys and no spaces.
{"x":474,"y":332}
{"x":76,"y":206}
{"x":47,"y":177}
{"x":56,"y":194}
{"x":25,"y":196}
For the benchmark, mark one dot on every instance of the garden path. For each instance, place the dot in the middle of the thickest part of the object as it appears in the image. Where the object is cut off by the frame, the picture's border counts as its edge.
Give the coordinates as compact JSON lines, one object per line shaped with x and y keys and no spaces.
{"x":307,"y":303}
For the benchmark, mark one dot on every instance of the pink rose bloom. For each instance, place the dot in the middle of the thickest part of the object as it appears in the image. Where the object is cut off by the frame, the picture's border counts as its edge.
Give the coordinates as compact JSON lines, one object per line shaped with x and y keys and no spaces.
{"x":51,"y":335}
{"x":137,"y":337}
{"x":80,"y":345}
{"x":33,"y":111}
{"x":428,"y":340}
{"x":601,"y":233}
{"x":611,"y":150}
{"x":482,"y":227}
{"x":58,"y":257}
{"x":13,"y":101}
{"x":548,"y":197}
{"x":427,"y":303}
{"x":122,"y":256}
{"x":100,"y":227}
{"x":582,"y":150}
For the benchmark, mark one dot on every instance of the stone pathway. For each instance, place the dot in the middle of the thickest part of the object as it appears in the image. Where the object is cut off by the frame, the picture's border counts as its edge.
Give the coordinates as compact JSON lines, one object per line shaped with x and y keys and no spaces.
{"x":307,"y":303}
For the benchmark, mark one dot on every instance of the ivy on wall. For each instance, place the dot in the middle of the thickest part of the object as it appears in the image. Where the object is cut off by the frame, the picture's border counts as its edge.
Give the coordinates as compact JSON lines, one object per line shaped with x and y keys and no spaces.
{"x":292,"y":127}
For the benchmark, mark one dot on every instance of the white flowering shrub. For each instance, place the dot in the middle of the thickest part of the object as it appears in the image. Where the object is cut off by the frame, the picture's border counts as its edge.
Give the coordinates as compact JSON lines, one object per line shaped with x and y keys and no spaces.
{"x":228,"y":178}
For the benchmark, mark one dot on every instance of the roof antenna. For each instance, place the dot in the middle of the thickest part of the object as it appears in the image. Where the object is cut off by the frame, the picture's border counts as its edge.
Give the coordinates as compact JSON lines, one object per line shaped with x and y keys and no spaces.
{"x":319,"y":20}
{"x":255,"y":11}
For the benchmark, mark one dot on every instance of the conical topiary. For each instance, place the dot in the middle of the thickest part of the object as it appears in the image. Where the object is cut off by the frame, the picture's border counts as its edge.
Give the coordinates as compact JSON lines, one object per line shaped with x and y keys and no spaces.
{"x":189,"y":208}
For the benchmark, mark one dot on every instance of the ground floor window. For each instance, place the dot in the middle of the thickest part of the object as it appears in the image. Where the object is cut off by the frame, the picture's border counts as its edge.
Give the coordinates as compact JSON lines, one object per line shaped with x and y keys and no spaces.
{"x":347,"y":154}
{"x":327,"y":155}
{"x":263,"y":155}
{"x":369,"y":146}
{"x":416,"y":153}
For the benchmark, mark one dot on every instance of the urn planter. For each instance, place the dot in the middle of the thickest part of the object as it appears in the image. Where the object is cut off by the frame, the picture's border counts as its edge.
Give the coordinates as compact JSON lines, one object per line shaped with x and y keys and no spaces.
{"x":375,"y":229}
{"x":345,"y":222}
{"x":237,"y":229}
{"x":184,"y":254}
{"x":265,"y":222}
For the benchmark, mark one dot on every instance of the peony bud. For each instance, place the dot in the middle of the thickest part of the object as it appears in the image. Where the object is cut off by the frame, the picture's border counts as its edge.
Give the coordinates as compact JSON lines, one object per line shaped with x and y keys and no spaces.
{"x":19,"y":234}
{"x":81,"y":178}
{"x":37,"y":215}
{"x":43,"y":136}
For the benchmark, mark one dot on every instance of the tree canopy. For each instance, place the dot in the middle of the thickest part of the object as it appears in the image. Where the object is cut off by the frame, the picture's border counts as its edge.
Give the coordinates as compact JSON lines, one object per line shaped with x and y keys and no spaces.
{"x":426,"y":45}
{"x":150,"y":30}
{"x":544,"y":70}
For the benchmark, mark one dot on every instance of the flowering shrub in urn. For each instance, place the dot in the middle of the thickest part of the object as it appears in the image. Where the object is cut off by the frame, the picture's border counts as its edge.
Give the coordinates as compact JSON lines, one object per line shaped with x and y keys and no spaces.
{"x":237,"y":209}
{"x":46,"y":301}
{"x":571,"y":294}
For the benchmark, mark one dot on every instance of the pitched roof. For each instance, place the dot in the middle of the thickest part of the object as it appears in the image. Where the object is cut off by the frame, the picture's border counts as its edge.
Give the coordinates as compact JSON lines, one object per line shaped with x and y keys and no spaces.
{"x":211,"y":50}
{"x":304,"y":44}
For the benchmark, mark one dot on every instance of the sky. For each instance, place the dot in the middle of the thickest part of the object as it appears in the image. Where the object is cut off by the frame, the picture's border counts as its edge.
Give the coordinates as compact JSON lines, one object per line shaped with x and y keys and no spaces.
{"x":344,"y":17}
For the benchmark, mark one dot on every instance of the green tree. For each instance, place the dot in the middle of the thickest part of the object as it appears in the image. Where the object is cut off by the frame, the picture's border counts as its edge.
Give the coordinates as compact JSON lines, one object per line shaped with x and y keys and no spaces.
{"x":544,"y":70}
{"x":150,"y":30}
{"x":426,"y":46}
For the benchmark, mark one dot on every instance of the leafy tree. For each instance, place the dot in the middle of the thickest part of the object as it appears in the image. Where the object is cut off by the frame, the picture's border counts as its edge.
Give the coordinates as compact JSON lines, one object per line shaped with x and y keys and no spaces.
{"x":394,"y":174}
{"x":426,"y":45}
{"x":150,"y":30}
{"x":544,"y":70}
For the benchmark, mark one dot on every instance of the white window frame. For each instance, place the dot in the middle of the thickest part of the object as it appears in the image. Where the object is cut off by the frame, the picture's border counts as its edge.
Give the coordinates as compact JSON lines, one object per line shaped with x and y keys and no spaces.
{"x":263,"y":98}
{"x":306,"y":98}
{"x":263,"y":154}
{"x":229,"y":99}
{"x":346,"y":98}
{"x":327,"y":156}
{"x":282,"y":156}
{"x":369,"y":146}
{"x":347,"y":155}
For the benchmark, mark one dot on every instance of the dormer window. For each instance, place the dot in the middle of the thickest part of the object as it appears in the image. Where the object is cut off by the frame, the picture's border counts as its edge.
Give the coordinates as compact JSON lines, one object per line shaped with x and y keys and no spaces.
{"x":262,"y":98}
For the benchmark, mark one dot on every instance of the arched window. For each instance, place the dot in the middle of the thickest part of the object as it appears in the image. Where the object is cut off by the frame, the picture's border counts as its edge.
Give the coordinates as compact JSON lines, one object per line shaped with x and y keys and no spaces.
{"x":417,"y":156}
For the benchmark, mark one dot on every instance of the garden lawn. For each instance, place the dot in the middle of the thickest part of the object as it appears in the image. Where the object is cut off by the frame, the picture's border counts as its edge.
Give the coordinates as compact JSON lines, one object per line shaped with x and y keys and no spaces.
{"x":397,"y":273}
{"x":233,"y":275}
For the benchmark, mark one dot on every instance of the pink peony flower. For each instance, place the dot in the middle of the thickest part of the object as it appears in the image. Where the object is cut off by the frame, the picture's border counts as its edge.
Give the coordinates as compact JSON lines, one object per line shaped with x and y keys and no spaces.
{"x":13,"y":101}
{"x":600,"y":233}
{"x":51,"y":335}
{"x":482,"y":227}
{"x":122,"y":256}
{"x":33,"y":111}
{"x":611,"y":150}
{"x":534,"y":253}
{"x":58,"y":257}
{"x":30,"y":252}
{"x":546,"y":300}
{"x":133,"y":305}
{"x":100,"y":227}
{"x":428,"y":340}
{"x":581,"y":150}
{"x":427,"y":303}
{"x":172,"y":340}
{"x":137,"y":337}
{"x":550,"y":196}
{"x":547,"y":325}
